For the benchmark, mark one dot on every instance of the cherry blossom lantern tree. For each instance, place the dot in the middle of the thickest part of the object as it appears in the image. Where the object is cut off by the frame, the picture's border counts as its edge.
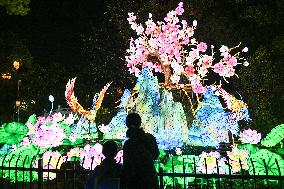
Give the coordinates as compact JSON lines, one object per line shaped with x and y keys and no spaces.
{"x":169,"y":47}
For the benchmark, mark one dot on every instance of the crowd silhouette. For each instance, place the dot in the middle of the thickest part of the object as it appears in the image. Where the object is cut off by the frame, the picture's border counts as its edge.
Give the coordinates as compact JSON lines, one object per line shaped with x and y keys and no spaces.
{"x":139,"y":152}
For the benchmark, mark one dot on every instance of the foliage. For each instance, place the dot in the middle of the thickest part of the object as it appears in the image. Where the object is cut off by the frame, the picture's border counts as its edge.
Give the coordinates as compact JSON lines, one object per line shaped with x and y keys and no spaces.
{"x":12,"y":133}
{"x":103,"y":60}
{"x":12,"y":48}
{"x":178,"y":164}
{"x":260,"y":86}
{"x":16,"y":7}
{"x":37,"y":100}
{"x":23,"y":156}
{"x":261,"y":82}
{"x":262,"y":14}
{"x":264,"y":160}
{"x":32,"y":119}
{"x":275,"y":136}
{"x":248,"y":147}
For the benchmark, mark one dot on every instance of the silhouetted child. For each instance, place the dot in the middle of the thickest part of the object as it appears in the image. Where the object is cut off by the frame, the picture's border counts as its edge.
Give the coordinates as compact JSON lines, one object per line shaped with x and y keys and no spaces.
{"x":139,"y":153}
{"x":107,"y":174}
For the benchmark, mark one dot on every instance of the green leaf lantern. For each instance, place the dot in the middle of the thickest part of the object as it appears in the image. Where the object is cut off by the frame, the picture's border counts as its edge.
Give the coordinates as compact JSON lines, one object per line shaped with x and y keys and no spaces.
{"x":280,"y":151}
{"x":12,"y":133}
{"x":178,"y":164}
{"x":274,"y":137}
{"x":67,"y":142}
{"x":32,"y":119}
{"x":23,"y":156}
{"x":5,"y":149}
{"x":270,"y":159}
{"x":66,"y":129}
{"x":250,"y":147}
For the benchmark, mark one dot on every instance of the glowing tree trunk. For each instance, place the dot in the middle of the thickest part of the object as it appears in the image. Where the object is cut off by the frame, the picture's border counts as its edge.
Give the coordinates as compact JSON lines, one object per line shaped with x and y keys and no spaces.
{"x":167,"y":73}
{"x":156,"y":59}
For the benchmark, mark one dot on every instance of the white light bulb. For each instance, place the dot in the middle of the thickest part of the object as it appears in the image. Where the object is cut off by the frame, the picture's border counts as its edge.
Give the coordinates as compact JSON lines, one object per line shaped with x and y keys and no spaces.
{"x":245,"y":49}
{"x":246,"y":63}
{"x":51,"y":98}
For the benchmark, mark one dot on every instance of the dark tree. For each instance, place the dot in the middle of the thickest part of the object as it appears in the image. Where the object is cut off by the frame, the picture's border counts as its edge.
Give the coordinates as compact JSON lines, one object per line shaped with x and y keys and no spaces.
{"x":16,"y":7}
{"x":12,"y":49}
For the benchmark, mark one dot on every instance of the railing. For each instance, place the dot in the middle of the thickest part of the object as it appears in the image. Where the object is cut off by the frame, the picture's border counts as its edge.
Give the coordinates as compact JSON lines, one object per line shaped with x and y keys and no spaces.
{"x":223,"y":181}
{"x":243,"y":179}
{"x":71,"y":175}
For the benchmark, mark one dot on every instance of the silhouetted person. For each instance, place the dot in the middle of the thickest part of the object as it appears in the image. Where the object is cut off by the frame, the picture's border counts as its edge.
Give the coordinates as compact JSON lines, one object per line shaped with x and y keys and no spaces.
{"x":139,"y":153}
{"x":107,"y":174}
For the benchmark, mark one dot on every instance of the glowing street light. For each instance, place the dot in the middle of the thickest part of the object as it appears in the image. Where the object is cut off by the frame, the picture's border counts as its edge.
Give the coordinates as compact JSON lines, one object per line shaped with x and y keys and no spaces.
{"x":6,"y":76}
{"x":16,"y":64}
{"x":18,"y":101}
{"x":51,"y":99}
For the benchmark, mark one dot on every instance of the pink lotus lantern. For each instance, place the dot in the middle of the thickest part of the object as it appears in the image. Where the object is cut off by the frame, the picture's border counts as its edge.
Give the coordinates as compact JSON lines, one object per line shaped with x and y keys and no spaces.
{"x":250,"y":136}
{"x":48,"y":136}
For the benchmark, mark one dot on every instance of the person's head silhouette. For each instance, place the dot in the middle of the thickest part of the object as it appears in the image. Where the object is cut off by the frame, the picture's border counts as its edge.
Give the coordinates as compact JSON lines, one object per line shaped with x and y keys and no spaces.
{"x":133,"y":120}
{"x":110,"y":149}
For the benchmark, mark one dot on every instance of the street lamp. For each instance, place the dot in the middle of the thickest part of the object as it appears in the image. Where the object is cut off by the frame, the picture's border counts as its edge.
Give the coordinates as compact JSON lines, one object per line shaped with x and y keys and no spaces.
{"x":18,"y":105}
{"x":16,"y":66}
{"x":51,"y":99}
{"x":18,"y":101}
{"x":6,"y":76}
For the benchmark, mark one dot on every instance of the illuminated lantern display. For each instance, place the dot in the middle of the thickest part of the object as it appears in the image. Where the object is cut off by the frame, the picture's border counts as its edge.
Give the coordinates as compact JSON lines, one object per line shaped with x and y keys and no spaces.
{"x":250,"y":136}
{"x":170,"y":45}
{"x":51,"y":160}
{"x":208,"y":163}
{"x":238,"y":159}
{"x":205,"y":120}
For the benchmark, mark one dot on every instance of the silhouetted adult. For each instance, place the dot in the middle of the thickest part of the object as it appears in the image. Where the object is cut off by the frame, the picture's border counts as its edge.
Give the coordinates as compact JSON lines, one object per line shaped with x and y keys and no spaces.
{"x":107,"y":174}
{"x":139,"y":151}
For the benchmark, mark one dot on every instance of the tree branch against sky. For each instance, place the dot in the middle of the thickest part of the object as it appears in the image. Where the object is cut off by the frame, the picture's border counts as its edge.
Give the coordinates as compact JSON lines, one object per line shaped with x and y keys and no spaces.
{"x":16,"y":7}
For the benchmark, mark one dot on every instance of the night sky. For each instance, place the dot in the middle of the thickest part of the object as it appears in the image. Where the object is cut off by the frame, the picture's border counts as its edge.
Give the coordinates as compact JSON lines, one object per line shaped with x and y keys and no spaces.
{"x":52,"y":29}
{"x":52,"y":32}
